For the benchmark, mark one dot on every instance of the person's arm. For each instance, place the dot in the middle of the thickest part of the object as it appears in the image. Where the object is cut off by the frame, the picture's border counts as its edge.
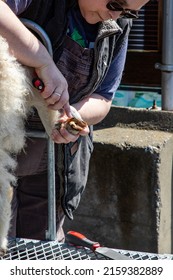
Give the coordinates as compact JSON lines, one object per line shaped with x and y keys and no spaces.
{"x":30,"y":52}
{"x":94,"y":108}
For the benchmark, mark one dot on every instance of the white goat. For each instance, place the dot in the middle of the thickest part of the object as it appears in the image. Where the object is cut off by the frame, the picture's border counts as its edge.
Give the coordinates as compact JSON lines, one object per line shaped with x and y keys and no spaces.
{"x":17,"y":96}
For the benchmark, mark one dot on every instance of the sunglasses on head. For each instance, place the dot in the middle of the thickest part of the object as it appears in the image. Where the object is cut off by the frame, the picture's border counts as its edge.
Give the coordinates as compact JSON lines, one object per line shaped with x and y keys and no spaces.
{"x":127,"y":13}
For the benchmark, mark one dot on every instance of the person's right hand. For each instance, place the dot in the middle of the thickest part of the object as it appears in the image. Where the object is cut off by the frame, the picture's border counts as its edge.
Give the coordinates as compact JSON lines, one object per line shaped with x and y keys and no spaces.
{"x":55,"y":91}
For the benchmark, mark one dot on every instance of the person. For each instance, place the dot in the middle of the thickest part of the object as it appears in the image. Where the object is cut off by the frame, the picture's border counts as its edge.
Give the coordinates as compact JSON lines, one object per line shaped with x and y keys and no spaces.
{"x":89,"y":40}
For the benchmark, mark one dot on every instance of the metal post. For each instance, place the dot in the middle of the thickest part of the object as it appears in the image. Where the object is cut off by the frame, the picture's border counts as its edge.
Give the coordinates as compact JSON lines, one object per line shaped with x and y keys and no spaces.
{"x":51,"y":231}
{"x":167,"y":56}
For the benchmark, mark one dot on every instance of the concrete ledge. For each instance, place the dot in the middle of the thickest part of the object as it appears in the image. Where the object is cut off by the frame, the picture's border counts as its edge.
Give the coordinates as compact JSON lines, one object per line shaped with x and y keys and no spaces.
{"x":128,"y":200}
{"x":138,"y":118}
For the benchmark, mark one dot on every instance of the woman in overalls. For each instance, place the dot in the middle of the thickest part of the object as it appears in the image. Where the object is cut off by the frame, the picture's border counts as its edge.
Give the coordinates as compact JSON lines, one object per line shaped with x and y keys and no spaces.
{"x":89,"y":40}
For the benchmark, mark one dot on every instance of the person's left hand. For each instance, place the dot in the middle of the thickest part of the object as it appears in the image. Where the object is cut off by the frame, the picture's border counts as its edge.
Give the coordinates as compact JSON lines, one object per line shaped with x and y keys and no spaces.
{"x":63,"y":134}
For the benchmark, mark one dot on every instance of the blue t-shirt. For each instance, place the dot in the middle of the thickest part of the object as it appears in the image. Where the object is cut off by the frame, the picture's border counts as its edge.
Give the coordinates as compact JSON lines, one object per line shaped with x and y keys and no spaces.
{"x":85,"y":34}
{"x":80,"y":30}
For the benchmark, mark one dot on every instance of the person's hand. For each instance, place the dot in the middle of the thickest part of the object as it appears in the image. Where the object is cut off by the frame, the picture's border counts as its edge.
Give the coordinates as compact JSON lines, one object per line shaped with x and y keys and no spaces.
{"x":62,"y":135}
{"x":55,"y":91}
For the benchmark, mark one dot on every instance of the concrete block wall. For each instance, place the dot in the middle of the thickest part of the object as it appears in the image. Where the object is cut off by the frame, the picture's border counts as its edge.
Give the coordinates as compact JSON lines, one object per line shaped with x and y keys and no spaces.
{"x":127,"y":203}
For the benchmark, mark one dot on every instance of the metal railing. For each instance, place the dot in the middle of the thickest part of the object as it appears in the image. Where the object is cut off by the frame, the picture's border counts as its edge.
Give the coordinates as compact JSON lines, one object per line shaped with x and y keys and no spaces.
{"x":51,"y":231}
{"x":167,"y":56}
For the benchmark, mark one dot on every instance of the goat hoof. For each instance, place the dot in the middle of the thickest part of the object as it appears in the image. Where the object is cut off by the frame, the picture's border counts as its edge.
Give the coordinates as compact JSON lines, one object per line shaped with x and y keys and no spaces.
{"x":2,"y":252}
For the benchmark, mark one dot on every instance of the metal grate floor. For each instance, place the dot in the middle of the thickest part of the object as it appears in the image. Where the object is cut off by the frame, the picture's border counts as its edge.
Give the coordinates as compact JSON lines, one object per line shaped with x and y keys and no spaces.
{"x":24,"y":249}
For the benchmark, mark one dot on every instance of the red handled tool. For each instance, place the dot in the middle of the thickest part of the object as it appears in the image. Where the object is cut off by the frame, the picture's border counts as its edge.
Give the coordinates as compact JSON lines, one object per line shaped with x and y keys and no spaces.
{"x":38,"y":83}
{"x":79,"y":239}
